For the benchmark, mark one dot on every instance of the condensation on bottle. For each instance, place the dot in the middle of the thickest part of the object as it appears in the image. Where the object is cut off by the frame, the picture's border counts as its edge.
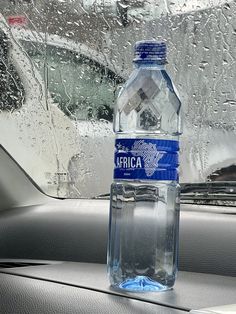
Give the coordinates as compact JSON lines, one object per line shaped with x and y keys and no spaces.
{"x":144,"y":203}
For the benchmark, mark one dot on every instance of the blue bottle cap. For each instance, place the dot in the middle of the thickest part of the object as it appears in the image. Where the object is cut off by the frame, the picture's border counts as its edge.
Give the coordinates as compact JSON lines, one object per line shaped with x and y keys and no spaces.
{"x":149,"y":51}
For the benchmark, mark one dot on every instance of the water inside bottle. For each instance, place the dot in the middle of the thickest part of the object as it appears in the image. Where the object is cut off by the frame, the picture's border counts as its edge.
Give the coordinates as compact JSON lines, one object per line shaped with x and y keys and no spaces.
{"x":144,"y":222}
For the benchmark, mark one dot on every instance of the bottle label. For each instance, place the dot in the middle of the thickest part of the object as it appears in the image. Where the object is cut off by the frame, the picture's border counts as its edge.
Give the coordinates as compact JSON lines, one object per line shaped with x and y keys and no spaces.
{"x":146,"y":159}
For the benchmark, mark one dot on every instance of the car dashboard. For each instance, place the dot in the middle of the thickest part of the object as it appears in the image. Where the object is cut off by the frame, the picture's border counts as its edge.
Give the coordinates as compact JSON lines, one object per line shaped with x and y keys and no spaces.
{"x":69,"y":287}
{"x":53,"y":261}
{"x":53,"y":255}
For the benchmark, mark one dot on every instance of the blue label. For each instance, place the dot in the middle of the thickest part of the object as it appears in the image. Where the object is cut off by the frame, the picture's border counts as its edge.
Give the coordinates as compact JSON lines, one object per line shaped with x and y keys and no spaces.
{"x":146,"y":159}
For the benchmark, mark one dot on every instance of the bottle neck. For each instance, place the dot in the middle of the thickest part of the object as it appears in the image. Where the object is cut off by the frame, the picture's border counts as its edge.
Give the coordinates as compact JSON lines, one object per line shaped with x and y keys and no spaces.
{"x":150,"y":65}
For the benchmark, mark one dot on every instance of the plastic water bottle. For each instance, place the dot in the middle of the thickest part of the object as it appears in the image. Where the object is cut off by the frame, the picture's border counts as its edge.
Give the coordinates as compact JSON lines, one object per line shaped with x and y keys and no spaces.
{"x":144,"y":208}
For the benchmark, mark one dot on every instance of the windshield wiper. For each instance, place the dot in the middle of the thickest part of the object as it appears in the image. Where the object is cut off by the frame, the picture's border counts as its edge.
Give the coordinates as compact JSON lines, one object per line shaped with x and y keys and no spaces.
{"x":209,"y":191}
{"x":102,"y":196}
{"x":203,"y":193}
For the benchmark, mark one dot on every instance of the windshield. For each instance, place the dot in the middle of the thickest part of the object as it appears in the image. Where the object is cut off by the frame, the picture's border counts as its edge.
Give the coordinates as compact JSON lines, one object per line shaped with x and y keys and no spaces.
{"x":63,"y":64}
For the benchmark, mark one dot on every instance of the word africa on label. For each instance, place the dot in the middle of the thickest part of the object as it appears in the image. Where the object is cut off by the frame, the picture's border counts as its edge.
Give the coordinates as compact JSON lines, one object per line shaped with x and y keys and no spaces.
{"x":128,"y":162}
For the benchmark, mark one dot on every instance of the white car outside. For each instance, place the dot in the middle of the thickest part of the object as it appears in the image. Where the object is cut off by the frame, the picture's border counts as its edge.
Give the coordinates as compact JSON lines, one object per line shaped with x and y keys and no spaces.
{"x":40,"y":136}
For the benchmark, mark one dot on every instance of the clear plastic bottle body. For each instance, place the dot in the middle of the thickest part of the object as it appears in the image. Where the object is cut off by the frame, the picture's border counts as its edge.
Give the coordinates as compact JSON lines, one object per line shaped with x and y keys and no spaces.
{"x":144,"y":212}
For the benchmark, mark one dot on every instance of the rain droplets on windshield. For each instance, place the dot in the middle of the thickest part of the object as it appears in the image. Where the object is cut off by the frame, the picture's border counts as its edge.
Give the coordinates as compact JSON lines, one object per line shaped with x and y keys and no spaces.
{"x":65,"y":61}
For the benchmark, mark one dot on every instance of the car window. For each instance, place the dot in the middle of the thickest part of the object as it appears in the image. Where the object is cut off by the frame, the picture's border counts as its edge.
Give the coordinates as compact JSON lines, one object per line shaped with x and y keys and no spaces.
{"x":83,"y":88}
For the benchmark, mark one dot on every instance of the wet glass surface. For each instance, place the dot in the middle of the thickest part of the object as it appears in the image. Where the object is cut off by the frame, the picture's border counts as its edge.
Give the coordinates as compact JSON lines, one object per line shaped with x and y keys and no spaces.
{"x":63,"y":63}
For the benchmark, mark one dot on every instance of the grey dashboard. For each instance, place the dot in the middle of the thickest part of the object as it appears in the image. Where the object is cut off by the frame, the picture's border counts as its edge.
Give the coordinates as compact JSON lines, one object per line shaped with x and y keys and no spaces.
{"x":63,"y":247}
{"x":83,"y":288}
{"x":76,"y":230}
{"x":26,"y":295}
{"x":53,"y":255}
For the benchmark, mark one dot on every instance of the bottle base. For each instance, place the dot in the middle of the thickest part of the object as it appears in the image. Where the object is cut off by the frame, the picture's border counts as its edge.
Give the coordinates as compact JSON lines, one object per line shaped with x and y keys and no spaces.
{"x":141,"y":284}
